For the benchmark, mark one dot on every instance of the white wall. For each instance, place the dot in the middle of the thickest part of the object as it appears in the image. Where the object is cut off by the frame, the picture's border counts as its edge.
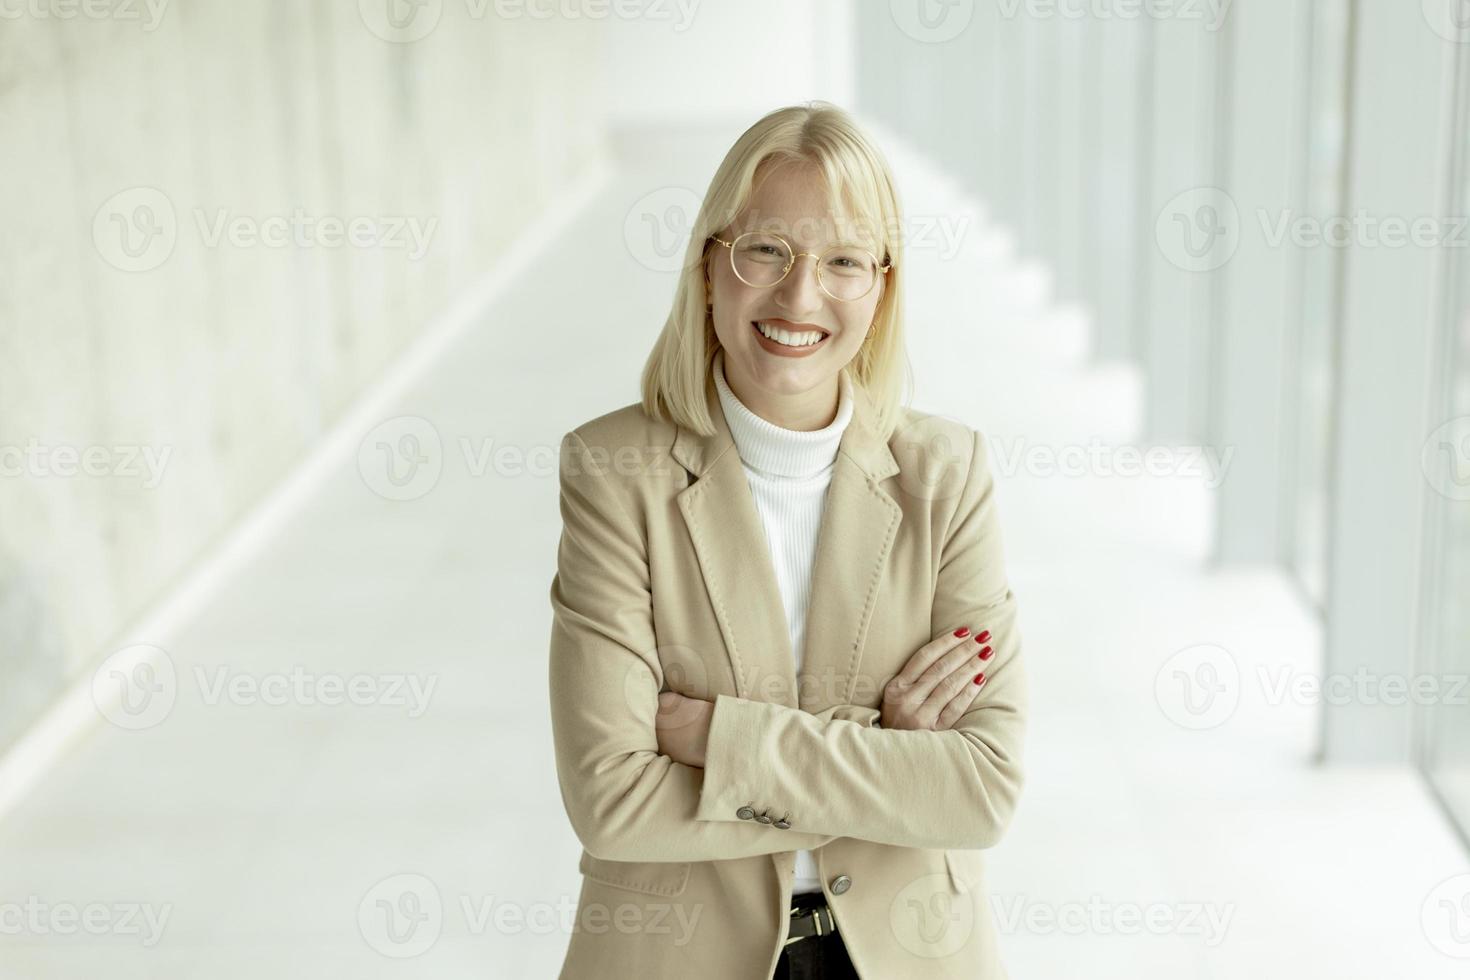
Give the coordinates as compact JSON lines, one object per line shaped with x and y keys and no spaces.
{"x":727,"y":60}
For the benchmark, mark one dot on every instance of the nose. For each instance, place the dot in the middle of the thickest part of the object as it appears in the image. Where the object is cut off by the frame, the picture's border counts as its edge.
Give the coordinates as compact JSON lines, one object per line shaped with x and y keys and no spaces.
{"x":799,"y":294}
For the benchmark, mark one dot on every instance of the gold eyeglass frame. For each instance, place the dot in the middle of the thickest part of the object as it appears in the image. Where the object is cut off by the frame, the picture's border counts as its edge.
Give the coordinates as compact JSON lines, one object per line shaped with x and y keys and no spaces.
{"x":791,"y":262}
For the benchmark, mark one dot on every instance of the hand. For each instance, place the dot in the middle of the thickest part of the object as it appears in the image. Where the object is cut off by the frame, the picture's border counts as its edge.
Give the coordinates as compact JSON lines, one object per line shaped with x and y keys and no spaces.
{"x":937,"y":685}
{"x":682,"y":726}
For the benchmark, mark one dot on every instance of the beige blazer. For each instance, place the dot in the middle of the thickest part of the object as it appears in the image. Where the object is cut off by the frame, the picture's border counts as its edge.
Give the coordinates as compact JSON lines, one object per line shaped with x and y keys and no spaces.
{"x":665,"y":582}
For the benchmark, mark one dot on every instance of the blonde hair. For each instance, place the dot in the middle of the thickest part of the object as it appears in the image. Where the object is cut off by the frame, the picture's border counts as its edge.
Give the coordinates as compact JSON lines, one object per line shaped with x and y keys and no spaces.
{"x":859,"y":183}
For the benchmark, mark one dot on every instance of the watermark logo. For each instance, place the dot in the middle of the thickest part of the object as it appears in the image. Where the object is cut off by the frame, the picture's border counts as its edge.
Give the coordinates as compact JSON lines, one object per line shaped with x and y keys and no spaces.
{"x":135,"y":230}
{"x":407,"y":21}
{"x":1201,"y":229}
{"x":1198,"y":230}
{"x":149,"y":13}
{"x":1445,"y":917}
{"x":1445,"y":459}
{"x":1362,"y":229}
{"x":684,"y":672}
{"x":136,"y":687}
{"x":1450,"y":19}
{"x":942,"y":233}
{"x":1206,"y":464}
{"x":401,"y":916}
{"x":1198,"y":687}
{"x":933,"y":455}
{"x":929,"y":919}
{"x":1201,"y":686}
{"x":400,"y":21}
{"x":658,"y":225}
{"x":405,"y":457}
{"x":1285,"y":685}
{"x":1096,"y":917}
{"x":1211,"y":12}
{"x":402,"y":458}
{"x":38,"y":920}
{"x":38,"y":461}
{"x":932,"y":21}
{"x":303,"y":688}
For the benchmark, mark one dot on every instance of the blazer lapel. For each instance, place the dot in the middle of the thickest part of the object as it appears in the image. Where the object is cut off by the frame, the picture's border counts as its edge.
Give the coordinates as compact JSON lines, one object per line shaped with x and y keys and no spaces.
{"x":859,"y":523}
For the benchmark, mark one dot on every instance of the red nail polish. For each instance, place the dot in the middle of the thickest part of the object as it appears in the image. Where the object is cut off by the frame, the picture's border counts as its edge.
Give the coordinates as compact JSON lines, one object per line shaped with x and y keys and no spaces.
{"x":980,"y":678}
{"x":962,"y":631}
{"x":984,"y":635}
{"x":985,"y":654}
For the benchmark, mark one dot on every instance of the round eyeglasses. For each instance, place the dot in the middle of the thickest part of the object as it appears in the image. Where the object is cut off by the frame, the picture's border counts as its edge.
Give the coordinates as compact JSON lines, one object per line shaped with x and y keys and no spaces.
{"x":763,"y":258}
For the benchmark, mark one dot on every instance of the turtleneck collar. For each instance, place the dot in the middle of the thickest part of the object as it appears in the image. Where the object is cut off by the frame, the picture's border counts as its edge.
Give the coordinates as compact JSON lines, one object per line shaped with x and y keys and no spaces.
{"x":774,"y":451}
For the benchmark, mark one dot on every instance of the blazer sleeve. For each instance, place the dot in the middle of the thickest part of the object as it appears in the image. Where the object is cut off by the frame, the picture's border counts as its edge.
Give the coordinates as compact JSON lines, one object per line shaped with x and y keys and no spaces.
{"x":913,"y":788}
{"x":625,"y":800}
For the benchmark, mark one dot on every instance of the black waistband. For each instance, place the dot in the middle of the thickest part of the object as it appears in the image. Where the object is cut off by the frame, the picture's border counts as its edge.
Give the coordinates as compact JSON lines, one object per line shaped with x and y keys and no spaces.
{"x":808,"y":900}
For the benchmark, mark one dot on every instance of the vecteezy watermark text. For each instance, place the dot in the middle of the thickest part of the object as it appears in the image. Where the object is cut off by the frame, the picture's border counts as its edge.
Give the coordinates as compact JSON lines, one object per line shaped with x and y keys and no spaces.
{"x":403,"y":915}
{"x":137,"y":229}
{"x":41,"y":461}
{"x":38,"y":918}
{"x":137,"y":687}
{"x":1208,"y":464}
{"x":148,"y":12}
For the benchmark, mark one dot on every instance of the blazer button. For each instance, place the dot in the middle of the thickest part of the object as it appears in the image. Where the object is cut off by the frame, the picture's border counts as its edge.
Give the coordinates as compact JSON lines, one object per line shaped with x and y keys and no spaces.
{"x":764,"y":817}
{"x":841,"y":884}
{"x":745,"y":813}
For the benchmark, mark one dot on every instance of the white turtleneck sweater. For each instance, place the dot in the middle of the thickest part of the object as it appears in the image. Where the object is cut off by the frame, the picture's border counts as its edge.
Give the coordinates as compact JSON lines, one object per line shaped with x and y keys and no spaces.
{"x":789,"y":472}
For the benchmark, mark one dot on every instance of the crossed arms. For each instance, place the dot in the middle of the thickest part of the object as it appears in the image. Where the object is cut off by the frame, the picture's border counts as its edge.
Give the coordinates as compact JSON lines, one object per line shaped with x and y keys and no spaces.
{"x":955,"y":788}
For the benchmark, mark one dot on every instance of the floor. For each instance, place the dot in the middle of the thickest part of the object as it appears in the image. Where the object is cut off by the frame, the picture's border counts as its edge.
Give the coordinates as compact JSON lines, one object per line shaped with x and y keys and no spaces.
{"x":240,"y":836}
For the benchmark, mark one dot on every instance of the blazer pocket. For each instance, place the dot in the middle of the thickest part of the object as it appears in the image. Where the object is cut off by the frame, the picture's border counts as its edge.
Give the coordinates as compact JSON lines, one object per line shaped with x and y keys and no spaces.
{"x":667,"y":878}
{"x":966,"y":868}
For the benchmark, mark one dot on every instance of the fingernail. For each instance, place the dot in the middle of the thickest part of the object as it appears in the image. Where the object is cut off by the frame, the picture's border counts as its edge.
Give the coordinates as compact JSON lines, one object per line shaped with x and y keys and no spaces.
{"x":985,"y":654}
{"x":980,"y":678}
{"x":962,"y":631}
{"x":984,"y":635}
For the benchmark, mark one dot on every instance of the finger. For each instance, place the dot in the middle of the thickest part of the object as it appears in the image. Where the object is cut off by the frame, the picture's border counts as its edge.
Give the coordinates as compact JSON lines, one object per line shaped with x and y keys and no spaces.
{"x":949,"y":687}
{"x":933,"y":651}
{"x":965,"y":669}
{"x":961,"y":702}
{"x":944,"y":678}
{"x":958,"y":687}
{"x":965,"y":654}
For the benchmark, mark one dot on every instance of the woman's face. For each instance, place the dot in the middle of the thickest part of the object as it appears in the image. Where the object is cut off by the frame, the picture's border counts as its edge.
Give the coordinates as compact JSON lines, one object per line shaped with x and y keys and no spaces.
{"x":795,"y":388}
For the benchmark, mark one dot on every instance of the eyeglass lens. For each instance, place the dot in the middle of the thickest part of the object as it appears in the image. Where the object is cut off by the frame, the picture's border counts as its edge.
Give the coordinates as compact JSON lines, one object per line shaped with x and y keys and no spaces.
{"x":844,"y":271}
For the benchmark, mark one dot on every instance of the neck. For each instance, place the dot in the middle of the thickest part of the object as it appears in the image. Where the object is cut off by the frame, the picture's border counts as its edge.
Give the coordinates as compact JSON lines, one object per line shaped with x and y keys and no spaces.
{"x":785,"y":446}
{"x":804,"y":411}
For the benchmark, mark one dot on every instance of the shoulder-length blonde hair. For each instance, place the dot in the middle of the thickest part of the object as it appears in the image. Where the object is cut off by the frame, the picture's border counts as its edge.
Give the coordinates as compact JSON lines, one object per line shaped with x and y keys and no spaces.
{"x":859,"y":185}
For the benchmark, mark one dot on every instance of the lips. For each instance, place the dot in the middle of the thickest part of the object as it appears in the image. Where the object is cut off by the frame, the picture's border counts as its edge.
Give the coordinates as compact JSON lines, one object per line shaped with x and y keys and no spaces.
{"x":778,"y":349}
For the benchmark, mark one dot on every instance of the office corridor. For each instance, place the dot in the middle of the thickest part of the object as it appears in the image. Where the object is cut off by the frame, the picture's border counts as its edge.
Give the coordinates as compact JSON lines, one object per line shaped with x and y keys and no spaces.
{"x":253,"y":838}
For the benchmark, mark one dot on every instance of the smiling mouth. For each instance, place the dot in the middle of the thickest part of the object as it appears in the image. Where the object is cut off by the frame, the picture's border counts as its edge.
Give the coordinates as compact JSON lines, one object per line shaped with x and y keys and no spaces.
{"x":823,"y":335}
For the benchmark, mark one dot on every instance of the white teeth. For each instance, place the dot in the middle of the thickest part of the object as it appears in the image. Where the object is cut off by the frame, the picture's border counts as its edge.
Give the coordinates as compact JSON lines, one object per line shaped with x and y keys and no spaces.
{"x":804,"y":339}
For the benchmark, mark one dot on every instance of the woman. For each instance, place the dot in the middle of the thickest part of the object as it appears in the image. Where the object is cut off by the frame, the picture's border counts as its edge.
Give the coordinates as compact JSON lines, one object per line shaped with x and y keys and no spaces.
{"x":787,"y":697}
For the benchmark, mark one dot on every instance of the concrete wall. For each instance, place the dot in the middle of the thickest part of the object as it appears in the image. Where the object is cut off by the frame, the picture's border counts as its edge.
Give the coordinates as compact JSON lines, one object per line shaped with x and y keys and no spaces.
{"x":129,"y":332}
